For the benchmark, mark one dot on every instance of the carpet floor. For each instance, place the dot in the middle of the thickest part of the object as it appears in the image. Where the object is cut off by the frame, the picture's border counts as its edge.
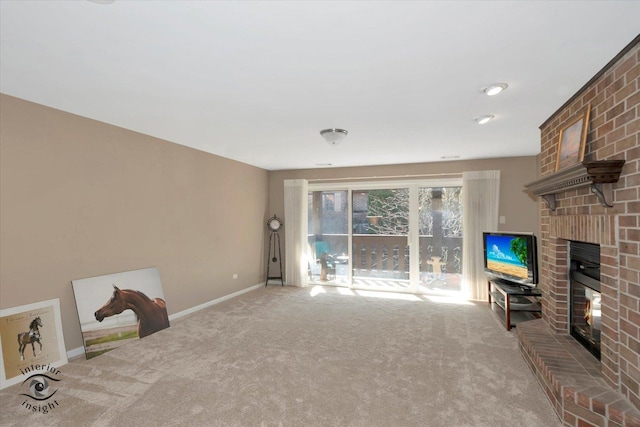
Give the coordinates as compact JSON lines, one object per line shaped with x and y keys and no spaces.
{"x":317,"y":356}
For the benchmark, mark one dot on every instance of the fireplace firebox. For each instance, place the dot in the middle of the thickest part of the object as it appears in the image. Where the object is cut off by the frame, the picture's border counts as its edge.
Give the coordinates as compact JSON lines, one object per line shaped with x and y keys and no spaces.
{"x":585,"y":322}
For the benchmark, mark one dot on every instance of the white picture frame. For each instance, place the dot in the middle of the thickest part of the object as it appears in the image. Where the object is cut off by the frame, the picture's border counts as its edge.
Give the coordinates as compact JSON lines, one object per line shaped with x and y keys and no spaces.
{"x":16,"y":320}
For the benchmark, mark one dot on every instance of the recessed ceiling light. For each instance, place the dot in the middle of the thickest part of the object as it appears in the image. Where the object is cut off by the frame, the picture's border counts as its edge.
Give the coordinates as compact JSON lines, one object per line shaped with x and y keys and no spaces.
{"x":484,"y":119}
{"x":495,"y":88}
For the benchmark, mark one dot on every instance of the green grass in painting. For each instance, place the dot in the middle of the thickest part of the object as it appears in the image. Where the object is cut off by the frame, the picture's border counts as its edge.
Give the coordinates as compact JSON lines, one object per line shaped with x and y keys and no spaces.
{"x":112,"y":337}
{"x":96,"y":353}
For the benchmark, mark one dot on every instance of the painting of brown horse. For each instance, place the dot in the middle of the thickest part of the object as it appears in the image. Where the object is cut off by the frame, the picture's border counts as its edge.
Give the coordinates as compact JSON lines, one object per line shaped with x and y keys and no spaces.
{"x":151,"y":313}
{"x":31,"y":337}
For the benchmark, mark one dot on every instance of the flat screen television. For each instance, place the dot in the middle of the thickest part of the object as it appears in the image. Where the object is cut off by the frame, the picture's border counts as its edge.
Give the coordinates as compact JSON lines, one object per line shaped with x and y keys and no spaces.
{"x":511,"y":256}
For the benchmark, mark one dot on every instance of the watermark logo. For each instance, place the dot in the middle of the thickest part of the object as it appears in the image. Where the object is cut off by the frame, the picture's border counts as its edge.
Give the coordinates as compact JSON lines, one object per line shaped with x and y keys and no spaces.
{"x":40,"y":386}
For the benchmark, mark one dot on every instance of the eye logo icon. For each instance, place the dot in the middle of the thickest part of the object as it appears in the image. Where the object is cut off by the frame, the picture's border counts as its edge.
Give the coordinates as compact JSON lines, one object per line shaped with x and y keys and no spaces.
{"x":39,"y":388}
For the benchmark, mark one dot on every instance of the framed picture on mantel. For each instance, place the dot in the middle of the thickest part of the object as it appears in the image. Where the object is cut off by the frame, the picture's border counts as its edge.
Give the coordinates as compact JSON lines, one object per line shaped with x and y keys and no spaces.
{"x":572,"y":141}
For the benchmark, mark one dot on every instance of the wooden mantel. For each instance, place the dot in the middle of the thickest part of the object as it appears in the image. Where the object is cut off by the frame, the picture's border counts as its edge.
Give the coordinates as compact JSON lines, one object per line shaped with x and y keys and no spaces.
{"x":599,"y":174}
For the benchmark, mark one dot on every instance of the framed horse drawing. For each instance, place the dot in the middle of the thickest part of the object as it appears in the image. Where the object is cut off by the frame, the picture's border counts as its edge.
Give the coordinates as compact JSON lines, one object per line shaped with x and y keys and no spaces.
{"x":30,"y":335}
{"x":116,"y":308}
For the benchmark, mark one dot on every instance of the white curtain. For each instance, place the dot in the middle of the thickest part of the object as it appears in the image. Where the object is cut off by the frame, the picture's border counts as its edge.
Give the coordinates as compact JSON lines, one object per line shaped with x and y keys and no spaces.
{"x":295,"y":217}
{"x":481,"y":199}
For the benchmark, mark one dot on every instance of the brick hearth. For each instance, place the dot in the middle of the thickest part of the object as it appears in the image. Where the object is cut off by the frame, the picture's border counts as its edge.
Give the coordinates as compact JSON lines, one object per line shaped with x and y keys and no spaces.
{"x":583,"y":390}
{"x":571,"y":379}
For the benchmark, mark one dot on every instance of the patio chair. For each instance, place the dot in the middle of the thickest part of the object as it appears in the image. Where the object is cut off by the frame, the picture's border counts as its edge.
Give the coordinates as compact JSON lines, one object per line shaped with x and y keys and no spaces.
{"x":325,"y":259}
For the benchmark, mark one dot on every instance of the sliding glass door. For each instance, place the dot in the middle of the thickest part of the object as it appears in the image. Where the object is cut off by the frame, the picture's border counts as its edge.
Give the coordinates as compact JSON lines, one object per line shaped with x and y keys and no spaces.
{"x":380,"y":242}
{"x":402,"y":237}
{"x":328,"y":237}
{"x":440,"y":238}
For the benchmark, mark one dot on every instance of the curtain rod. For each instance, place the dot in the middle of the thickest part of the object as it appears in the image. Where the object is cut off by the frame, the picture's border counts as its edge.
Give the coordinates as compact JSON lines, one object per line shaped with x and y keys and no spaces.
{"x":438,"y":175}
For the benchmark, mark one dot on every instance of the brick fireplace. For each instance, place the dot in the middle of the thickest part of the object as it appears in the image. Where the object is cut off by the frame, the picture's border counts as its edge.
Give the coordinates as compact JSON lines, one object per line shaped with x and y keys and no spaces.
{"x":583,"y":390}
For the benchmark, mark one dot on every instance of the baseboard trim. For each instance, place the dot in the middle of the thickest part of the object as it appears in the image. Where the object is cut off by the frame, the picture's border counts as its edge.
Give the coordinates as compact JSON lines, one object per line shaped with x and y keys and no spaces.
{"x":75,"y":352}
{"x":213,"y":302}
{"x":80,"y":350}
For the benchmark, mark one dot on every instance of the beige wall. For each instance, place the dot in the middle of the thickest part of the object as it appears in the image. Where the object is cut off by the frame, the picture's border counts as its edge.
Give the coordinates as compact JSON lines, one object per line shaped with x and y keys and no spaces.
{"x":518,"y":207}
{"x":80,"y":198}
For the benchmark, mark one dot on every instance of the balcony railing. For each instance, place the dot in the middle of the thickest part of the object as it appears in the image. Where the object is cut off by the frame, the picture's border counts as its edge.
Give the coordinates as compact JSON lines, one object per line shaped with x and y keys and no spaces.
{"x":388,"y":255}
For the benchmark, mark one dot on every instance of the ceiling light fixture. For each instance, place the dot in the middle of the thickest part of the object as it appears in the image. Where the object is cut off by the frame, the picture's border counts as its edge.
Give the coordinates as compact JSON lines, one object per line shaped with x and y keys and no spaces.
{"x":334,"y":136}
{"x":495,"y":88}
{"x":484,"y":119}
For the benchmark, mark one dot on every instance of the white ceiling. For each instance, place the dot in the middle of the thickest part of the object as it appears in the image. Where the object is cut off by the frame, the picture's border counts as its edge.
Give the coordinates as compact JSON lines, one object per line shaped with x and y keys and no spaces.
{"x":257,"y":81}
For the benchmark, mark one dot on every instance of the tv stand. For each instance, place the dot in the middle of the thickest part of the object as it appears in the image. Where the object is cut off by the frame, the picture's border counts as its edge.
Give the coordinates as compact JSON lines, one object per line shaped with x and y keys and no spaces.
{"x":512,"y":302}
